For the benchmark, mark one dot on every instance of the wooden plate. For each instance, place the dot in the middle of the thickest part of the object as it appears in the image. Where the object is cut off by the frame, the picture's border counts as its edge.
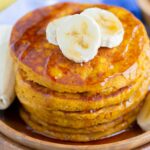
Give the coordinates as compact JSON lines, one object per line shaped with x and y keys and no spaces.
{"x":13,"y":127}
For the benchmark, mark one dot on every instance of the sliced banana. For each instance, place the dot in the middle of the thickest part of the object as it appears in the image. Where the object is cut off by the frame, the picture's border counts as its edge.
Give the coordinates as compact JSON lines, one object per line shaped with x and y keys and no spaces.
{"x":79,"y":38}
{"x":51,"y":30}
{"x":143,"y":118}
{"x":111,"y":27}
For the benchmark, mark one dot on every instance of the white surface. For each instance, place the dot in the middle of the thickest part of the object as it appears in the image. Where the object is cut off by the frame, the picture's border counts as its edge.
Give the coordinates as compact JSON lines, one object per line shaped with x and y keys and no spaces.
{"x":20,"y":8}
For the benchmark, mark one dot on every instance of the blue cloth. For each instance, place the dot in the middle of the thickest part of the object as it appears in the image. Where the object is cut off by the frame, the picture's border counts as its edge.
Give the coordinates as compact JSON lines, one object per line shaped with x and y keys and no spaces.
{"x":131,"y":5}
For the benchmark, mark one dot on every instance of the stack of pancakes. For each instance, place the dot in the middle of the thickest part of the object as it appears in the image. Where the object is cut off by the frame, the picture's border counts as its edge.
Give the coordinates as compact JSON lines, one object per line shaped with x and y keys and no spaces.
{"x":79,"y":102}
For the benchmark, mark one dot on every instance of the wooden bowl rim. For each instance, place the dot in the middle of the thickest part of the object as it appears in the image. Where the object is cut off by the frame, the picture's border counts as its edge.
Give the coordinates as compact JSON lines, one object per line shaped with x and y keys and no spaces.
{"x":36,"y":143}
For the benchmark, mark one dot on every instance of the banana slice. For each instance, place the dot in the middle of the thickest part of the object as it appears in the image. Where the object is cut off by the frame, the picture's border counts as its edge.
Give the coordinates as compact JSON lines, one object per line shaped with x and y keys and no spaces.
{"x":79,"y":38}
{"x":111,"y":27}
{"x":51,"y":29}
{"x":143,"y":118}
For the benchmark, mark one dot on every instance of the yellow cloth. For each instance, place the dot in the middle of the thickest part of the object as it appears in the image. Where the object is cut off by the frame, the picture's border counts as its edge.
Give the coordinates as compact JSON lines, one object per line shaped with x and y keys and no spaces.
{"x":5,"y":4}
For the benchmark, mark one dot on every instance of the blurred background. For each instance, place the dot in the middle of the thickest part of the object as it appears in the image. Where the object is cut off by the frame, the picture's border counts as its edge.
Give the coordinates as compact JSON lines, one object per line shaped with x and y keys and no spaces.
{"x":12,"y":10}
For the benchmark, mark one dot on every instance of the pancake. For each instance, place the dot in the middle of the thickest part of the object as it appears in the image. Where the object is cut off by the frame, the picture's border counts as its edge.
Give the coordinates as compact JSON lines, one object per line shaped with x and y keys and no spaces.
{"x":115,"y":126}
{"x":83,"y":119}
{"x":52,"y":100}
{"x":106,"y":117}
{"x":82,"y":113}
{"x":45,"y":64}
{"x":100,"y":127}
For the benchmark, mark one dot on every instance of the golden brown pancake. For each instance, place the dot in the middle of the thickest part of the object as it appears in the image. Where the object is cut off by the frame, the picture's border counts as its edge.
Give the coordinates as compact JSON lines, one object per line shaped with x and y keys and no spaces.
{"x":87,"y":119}
{"x":48,"y":130}
{"x":36,"y":95}
{"x":45,"y":64}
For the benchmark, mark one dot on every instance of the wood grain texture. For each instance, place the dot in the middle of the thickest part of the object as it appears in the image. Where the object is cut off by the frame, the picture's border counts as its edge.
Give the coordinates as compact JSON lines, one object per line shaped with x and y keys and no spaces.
{"x":44,"y":145}
{"x":7,"y":144}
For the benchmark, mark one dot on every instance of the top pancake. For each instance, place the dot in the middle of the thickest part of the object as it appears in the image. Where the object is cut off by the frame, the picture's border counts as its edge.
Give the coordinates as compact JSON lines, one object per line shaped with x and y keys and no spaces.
{"x":46,"y":64}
